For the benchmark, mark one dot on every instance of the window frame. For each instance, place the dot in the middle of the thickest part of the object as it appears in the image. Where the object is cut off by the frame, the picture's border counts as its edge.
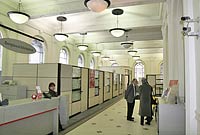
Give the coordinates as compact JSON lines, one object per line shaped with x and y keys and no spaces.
{"x":143,"y":70}
{"x":66,"y":54}
{"x":41,"y":53}
{"x":83,"y":60}
{"x":92,"y":62}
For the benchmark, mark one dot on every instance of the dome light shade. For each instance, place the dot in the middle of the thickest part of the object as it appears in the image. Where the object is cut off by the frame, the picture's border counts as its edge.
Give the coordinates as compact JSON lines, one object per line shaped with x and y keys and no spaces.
{"x":18,"y":17}
{"x":97,"y":5}
{"x":117,"y":32}
{"x":96,"y":54}
{"x":113,"y":61}
{"x":136,"y":57}
{"x":60,"y":36}
{"x":132,"y":52}
{"x":106,"y":58}
{"x":138,"y":61}
{"x":126,"y":44}
{"x":82,"y":47}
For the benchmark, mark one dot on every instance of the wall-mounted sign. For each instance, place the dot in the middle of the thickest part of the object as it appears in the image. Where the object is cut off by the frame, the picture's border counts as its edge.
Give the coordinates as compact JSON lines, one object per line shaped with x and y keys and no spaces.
{"x":17,"y":46}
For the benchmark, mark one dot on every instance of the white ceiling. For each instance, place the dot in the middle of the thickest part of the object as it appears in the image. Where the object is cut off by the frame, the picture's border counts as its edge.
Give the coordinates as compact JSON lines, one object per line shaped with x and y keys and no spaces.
{"x":143,"y":17}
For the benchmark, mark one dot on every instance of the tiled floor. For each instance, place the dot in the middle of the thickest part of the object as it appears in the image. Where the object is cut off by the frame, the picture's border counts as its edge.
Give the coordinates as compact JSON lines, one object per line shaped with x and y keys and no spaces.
{"x":113,"y":121}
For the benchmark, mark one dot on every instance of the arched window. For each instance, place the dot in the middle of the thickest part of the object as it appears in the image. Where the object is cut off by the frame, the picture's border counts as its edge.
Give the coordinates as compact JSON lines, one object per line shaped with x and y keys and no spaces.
{"x":139,"y":70}
{"x":161,"y":68}
{"x":64,"y":56}
{"x":92,"y":64}
{"x":1,"y":53}
{"x":38,"y":56}
{"x":81,"y":60}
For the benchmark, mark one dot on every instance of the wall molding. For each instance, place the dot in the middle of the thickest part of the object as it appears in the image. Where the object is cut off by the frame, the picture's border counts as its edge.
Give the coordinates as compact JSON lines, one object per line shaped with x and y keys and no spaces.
{"x":197,"y":115}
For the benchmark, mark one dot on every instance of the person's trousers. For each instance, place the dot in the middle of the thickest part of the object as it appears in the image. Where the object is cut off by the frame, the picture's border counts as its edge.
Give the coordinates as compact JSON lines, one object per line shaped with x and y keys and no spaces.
{"x":148,"y":120}
{"x":130,"y":108}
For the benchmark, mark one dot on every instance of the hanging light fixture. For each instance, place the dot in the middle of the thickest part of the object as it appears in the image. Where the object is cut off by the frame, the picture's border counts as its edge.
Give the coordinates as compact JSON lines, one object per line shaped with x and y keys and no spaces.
{"x":96,"y":53}
{"x":138,"y":61}
{"x":61,"y":36}
{"x":112,"y":61}
{"x":18,"y":16}
{"x":82,"y":46}
{"x":132,"y":52}
{"x":127,"y":44}
{"x":136,"y":57}
{"x":97,"y":5}
{"x":117,"y":32}
{"x":105,"y":58}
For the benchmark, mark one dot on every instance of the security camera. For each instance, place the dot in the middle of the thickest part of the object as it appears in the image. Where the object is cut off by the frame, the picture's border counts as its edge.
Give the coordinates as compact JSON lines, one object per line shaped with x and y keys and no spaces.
{"x":186,"y":29}
{"x":185,"y":18}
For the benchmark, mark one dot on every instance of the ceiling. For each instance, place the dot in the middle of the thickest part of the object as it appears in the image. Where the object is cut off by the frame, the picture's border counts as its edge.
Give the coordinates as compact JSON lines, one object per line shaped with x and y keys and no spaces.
{"x":142,"y":17}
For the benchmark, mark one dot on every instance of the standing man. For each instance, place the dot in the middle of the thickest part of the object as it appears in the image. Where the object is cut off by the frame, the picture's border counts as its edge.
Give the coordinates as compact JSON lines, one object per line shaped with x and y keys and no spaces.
{"x":130,"y":95}
{"x":145,"y":102}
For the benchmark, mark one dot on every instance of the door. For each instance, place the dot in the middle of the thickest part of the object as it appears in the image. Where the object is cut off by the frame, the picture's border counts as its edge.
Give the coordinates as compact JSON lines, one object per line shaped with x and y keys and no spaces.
{"x":84,"y":89}
{"x":101,"y":90}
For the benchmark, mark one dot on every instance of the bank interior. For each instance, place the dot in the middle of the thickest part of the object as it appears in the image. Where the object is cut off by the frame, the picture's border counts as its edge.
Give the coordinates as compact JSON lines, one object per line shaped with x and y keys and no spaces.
{"x":91,"y":50}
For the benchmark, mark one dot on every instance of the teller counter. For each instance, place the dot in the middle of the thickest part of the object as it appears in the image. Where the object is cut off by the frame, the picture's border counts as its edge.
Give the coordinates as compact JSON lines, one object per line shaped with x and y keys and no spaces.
{"x":28,"y":117}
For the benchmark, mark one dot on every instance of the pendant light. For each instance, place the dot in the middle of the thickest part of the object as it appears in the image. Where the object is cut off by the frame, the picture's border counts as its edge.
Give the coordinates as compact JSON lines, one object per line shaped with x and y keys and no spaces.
{"x":117,"y":32}
{"x":82,"y":46}
{"x":136,"y":57}
{"x":132,"y":52}
{"x":61,"y":36}
{"x":138,"y":61}
{"x":18,"y":16}
{"x":112,"y":61}
{"x":127,"y":44}
{"x":97,"y":5}
{"x":105,"y":58}
{"x":96,"y":53}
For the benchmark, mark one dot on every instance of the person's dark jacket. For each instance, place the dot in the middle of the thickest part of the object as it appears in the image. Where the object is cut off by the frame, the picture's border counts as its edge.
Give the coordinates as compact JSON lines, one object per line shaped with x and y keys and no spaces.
{"x":53,"y":93}
{"x":129,"y":94}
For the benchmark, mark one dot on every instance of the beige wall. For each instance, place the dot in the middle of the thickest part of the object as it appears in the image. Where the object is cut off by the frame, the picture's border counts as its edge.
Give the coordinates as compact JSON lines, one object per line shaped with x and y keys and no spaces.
{"x":52,"y":47}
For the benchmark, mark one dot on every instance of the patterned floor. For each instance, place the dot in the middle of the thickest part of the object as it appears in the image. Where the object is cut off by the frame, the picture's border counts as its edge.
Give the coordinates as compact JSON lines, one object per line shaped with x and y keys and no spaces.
{"x":113,"y":121}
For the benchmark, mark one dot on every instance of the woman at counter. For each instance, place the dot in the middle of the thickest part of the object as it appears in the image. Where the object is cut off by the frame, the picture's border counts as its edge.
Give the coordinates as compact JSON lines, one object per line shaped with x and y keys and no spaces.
{"x":52,"y":91}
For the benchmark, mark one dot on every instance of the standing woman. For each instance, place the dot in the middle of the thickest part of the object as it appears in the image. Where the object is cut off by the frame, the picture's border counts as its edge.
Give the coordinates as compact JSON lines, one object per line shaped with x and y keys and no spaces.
{"x":145,"y":102}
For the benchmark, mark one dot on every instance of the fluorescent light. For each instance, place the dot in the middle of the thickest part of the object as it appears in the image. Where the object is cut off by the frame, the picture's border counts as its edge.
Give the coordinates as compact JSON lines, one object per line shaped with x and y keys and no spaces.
{"x":18,"y":17}
{"x":97,"y":5}
{"x":82,"y":47}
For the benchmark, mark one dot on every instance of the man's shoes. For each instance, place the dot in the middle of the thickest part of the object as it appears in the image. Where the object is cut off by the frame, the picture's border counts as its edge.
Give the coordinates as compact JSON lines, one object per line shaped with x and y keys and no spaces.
{"x":130,"y":119}
{"x":148,"y":123}
{"x":142,"y":124}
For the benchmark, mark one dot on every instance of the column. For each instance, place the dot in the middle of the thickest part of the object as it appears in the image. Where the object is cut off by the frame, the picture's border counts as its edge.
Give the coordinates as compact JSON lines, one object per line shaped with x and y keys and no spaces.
{"x":190,"y":74}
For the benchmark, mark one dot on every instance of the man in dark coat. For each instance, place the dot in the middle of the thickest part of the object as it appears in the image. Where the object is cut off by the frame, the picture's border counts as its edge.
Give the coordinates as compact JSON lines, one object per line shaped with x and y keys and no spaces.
{"x":145,"y":91}
{"x":130,"y":95}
